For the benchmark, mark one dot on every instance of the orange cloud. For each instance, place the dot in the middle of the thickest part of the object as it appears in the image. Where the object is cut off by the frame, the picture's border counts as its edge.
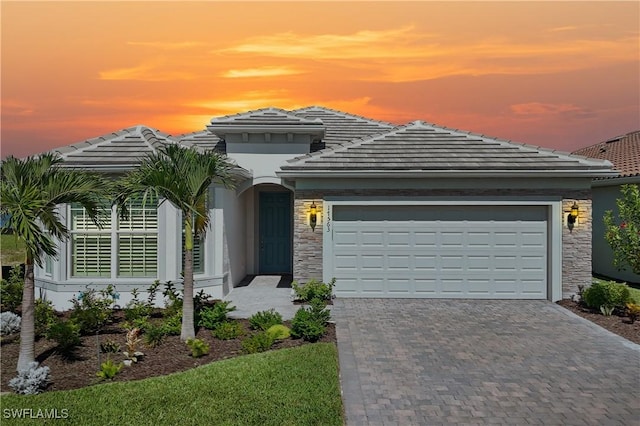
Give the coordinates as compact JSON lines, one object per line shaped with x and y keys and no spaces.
{"x":15,"y":108}
{"x":151,"y":71}
{"x":261,"y":72}
{"x":539,"y":109}
{"x":167,"y":45}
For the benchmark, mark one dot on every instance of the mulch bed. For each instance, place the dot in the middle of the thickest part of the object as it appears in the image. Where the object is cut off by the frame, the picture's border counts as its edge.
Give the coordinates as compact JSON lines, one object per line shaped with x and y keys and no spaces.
{"x":171,"y":356}
{"x":620,"y":325}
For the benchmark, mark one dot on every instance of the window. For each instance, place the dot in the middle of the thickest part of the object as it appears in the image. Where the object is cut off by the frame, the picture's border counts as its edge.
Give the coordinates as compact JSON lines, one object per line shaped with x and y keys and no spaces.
{"x":135,"y":252}
{"x":90,"y":246}
{"x":138,"y":240}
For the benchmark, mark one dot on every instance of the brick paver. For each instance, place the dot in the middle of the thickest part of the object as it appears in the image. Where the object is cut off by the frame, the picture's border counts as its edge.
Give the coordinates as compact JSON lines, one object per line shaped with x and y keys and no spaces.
{"x":433,"y":362}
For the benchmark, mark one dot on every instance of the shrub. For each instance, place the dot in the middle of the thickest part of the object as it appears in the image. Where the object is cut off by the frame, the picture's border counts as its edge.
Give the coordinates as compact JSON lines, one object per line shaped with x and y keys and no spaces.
{"x":228,"y":330}
{"x":198,"y":347}
{"x":279,"y":332}
{"x":133,"y":339}
{"x":211,"y":317}
{"x":264,"y":319}
{"x":153,"y":335}
{"x":44,"y":316}
{"x":172,"y":326}
{"x":259,"y":342}
{"x":624,"y":237}
{"x":66,"y":334}
{"x":136,"y":309}
{"x":606,"y":293}
{"x":109,"y":347}
{"x":314,"y":289}
{"x":9,"y":323}
{"x":11,"y":290}
{"x":92,"y":309}
{"x":173,"y":300}
{"x":309,"y":323}
{"x":108,"y":370}
{"x":31,"y":380}
{"x":633,"y":311}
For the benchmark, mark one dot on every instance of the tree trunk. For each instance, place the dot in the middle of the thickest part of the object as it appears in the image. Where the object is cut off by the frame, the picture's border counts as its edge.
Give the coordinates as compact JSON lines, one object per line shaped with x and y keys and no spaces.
{"x":27,"y":327}
{"x":188,"y":327}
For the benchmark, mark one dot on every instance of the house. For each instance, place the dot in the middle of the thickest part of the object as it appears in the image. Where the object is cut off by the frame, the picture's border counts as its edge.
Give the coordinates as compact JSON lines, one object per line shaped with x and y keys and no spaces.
{"x":413,"y":211}
{"x":624,"y":152}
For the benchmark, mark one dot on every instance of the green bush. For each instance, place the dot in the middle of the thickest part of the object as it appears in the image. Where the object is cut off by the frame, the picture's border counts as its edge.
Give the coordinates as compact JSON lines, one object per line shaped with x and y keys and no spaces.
{"x":44,"y":316}
{"x":606,"y":293}
{"x":264,"y":319}
{"x":211,"y":317}
{"x":172,"y":325}
{"x":228,"y":330}
{"x":11,"y":290}
{"x":108,"y":370}
{"x":137,"y":309}
{"x":109,"y":347}
{"x":279,"y":332}
{"x":309,"y":323}
{"x":314,"y":289}
{"x":92,"y":309}
{"x":154,"y":334}
{"x":66,"y":334}
{"x":198,"y":347}
{"x":259,"y":342}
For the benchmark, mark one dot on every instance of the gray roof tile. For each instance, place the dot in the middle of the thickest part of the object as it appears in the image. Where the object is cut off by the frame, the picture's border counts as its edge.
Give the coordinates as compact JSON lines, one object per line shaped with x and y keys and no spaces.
{"x":118,"y":150}
{"x":423,"y":147}
{"x":341,"y":128}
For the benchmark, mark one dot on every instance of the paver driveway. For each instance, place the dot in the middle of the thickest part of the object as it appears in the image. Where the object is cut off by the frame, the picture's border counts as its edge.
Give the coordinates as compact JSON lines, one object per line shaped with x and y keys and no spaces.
{"x":432,"y":362}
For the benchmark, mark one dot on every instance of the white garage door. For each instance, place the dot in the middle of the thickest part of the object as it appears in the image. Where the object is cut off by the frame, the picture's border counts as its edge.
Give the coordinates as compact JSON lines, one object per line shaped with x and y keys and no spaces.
{"x":489,"y":252}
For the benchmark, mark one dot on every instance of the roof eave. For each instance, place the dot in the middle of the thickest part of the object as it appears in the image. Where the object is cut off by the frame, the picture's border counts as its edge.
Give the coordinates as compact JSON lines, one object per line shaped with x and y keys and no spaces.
{"x":593,"y":174}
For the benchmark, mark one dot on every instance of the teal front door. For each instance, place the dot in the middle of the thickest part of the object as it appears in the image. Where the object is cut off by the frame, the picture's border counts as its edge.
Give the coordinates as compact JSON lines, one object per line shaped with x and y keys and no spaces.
{"x":275,"y":233}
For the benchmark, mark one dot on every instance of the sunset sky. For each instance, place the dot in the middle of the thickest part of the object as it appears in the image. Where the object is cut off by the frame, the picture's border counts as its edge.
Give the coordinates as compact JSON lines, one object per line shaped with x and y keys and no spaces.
{"x":558,"y":75}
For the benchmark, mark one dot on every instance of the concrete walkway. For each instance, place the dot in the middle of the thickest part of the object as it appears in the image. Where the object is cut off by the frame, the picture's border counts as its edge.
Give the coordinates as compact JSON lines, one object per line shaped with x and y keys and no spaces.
{"x":443,"y":362}
{"x":261,"y":293}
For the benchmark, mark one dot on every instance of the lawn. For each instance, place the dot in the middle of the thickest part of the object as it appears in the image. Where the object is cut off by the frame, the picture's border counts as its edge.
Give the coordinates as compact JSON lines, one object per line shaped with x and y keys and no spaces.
{"x":294,"y":386}
{"x":11,"y":249}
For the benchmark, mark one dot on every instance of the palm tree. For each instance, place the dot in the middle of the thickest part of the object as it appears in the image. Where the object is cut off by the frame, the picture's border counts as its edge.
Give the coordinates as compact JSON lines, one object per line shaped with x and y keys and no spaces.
{"x":31,"y":189}
{"x":181,"y":176}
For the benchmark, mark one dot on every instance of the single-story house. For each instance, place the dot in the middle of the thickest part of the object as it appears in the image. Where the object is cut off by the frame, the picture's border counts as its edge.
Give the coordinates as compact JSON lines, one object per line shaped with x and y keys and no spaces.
{"x":411,"y":211}
{"x":624,"y":152}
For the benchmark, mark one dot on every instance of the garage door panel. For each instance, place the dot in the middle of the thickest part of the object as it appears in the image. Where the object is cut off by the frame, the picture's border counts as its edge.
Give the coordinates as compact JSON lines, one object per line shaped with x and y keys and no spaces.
{"x":380,"y":256}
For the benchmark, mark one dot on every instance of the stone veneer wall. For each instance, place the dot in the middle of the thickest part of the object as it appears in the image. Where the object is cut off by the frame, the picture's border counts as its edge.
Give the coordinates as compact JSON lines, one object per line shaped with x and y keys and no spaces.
{"x":576,"y":244}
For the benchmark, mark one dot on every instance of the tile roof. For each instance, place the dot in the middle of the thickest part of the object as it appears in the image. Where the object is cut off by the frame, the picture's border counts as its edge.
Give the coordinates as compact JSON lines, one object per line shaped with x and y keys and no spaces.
{"x":118,"y":150}
{"x":203,"y":139}
{"x":275,"y":118}
{"x":623,"y":151}
{"x":341,"y":128}
{"x":425,"y":148}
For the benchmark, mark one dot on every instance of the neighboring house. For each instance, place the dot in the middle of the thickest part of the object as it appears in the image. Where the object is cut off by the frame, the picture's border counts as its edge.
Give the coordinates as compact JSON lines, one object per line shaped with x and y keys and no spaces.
{"x":402,"y":211}
{"x":624,"y":152}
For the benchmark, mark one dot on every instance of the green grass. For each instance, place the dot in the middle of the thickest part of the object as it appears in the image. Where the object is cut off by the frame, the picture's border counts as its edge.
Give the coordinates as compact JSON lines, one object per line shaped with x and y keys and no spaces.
{"x":12,"y":250}
{"x":296,"y":386}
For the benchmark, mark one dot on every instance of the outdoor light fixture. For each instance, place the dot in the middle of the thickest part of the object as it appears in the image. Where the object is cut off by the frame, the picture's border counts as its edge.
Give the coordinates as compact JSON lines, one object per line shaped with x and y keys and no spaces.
{"x":573,"y":215}
{"x":313,"y":216}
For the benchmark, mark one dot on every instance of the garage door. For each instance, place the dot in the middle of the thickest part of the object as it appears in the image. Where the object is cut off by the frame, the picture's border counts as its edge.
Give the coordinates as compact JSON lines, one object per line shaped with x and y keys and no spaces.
{"x":489,"y":252}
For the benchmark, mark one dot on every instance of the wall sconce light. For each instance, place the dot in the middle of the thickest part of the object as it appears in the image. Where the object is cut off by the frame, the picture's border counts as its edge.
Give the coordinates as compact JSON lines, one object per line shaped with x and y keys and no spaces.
{"x":313,"y":216}
{"x":572,"y":217}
